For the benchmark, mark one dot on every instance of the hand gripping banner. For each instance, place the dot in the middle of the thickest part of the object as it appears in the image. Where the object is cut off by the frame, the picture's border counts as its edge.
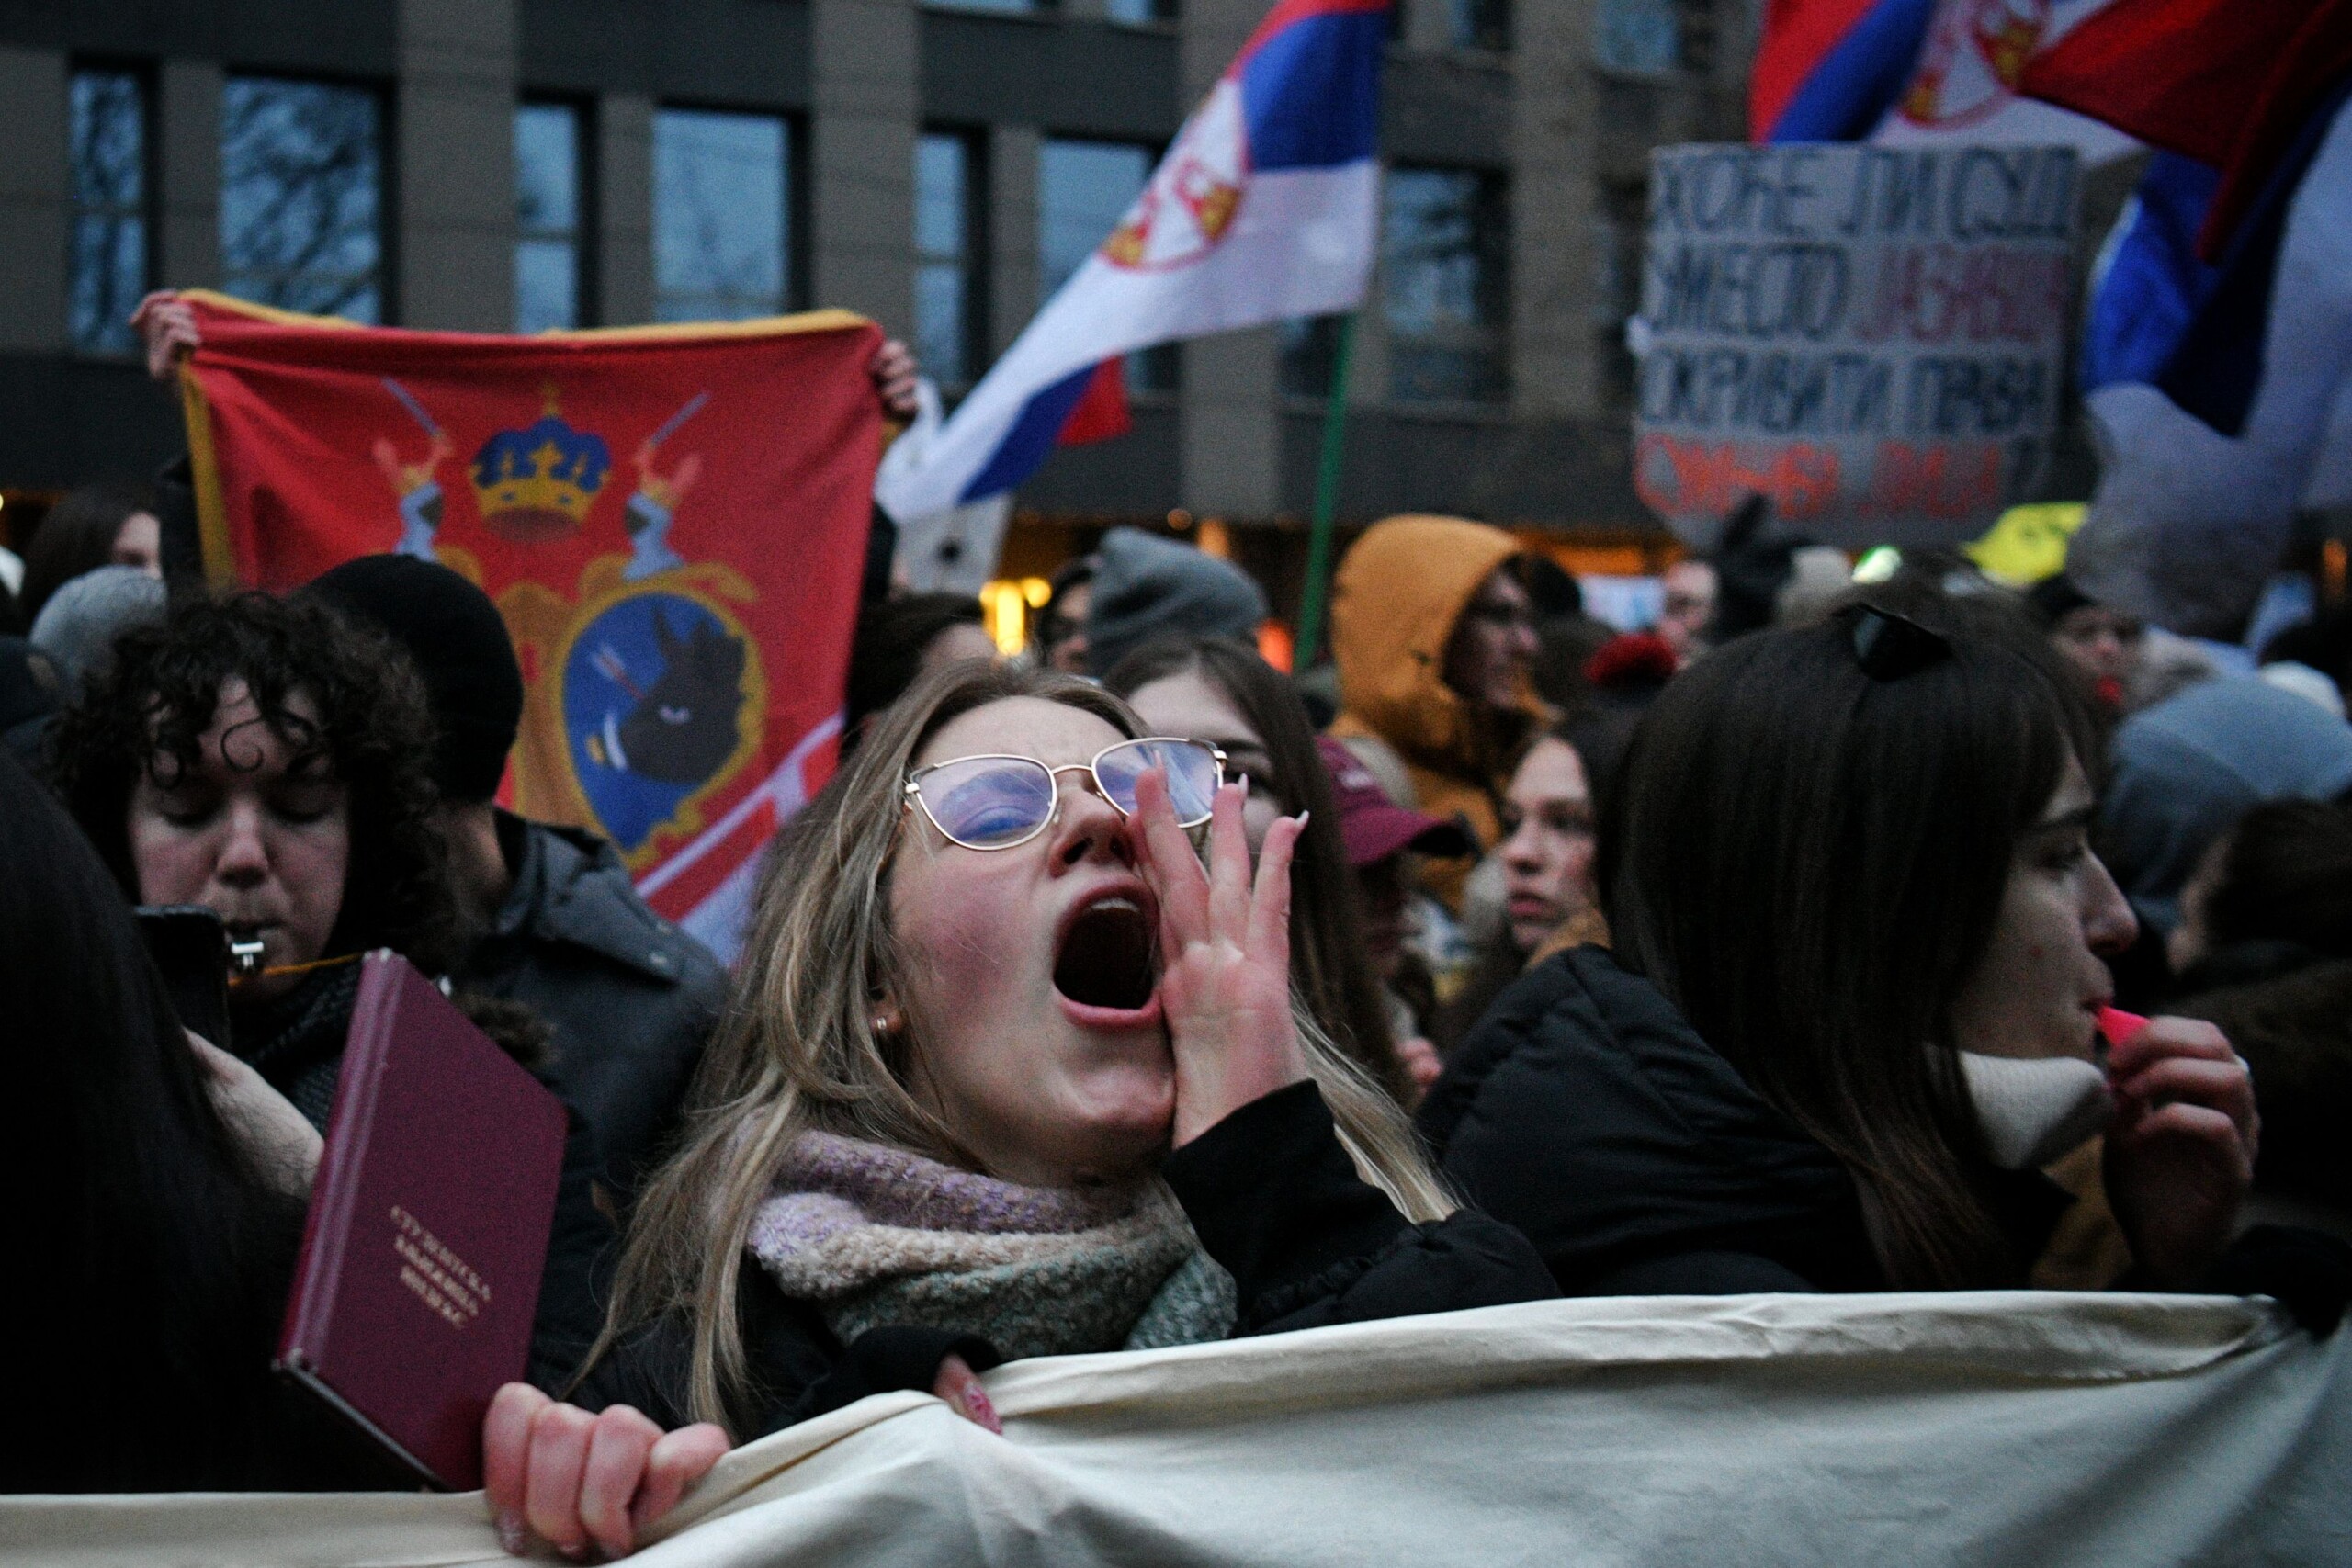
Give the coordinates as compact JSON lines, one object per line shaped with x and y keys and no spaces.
{"x":672,"y":519}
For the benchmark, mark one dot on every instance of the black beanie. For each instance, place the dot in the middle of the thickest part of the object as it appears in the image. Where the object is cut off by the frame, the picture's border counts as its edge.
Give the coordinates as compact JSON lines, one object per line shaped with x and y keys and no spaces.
{"x":460,"y":643}
{"x":2053,"y":599}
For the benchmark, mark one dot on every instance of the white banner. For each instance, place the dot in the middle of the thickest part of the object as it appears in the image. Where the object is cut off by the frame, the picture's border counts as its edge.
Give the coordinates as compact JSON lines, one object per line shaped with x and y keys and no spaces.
{"x":2000,"y":1428}
{"x":1874,"y":337}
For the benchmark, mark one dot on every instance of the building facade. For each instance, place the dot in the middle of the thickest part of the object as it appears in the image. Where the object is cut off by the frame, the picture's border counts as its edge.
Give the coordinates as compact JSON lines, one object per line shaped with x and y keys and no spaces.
{"x":518,"y":164}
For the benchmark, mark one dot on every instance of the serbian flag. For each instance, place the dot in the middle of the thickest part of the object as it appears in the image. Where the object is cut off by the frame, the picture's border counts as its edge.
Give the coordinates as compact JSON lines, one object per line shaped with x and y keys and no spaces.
{"x":1918,"y":73}
{"x":2217,"y":354}
{"x":1266,"y":207}
{"x":1827,"y":70}
{"x":672,"y":519}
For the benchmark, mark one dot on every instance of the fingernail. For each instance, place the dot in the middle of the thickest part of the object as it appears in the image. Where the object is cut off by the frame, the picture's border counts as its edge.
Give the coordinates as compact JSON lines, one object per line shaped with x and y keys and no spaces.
{"x":1243,"y":784}
{"x":575,"y":1554}
{"x":1302,"y":819}
{"x":511,"y":1535}
{"x":982,"y":1411}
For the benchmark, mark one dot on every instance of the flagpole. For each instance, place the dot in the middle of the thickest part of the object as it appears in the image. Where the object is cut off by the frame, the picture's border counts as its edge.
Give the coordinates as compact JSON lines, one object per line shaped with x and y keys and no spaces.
{"x":1327,"y":500}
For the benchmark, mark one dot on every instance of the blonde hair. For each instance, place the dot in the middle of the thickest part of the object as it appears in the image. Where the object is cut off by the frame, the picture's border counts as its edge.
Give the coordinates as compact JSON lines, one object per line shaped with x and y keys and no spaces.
{"x":797,"y":1050}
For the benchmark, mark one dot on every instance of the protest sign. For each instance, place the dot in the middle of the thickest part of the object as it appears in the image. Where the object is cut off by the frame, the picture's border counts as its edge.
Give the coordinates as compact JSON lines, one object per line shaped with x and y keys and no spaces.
{"x":1873,"y":337}
{"x":672,"y":519}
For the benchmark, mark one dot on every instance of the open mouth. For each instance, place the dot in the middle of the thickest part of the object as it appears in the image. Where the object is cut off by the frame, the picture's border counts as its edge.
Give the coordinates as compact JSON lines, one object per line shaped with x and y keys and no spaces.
{"x":1108,"y":958}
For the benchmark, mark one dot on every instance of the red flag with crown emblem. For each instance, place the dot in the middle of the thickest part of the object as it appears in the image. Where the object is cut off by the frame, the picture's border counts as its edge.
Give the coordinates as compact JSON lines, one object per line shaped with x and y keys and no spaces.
{"x":672,"y":519}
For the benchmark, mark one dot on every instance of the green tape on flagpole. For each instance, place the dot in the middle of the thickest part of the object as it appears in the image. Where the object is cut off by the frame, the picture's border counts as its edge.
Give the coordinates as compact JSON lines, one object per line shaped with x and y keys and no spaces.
{"x":1327,"y":501}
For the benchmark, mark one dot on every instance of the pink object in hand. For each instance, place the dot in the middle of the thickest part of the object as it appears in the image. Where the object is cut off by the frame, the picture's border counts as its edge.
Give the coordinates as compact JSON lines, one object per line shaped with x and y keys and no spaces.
{"x":2119,"y":1026}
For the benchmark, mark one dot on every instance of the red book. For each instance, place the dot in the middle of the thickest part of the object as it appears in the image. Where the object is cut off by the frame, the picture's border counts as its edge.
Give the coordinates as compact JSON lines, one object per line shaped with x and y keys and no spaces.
{"x":428,"y":1228}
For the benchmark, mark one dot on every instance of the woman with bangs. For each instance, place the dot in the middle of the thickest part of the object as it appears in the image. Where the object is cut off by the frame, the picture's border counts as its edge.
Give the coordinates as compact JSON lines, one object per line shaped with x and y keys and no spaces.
{"x":1011,"y":1072}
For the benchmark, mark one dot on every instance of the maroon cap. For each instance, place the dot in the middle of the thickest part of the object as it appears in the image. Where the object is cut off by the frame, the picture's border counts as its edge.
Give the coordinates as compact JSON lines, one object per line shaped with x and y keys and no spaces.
{"x":1374,"y":827}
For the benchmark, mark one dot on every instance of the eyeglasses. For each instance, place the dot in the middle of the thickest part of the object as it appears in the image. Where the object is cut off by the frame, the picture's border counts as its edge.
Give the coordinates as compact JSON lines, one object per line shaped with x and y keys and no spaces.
{"x":1000,"y":802}
{"x":1889,"y":646}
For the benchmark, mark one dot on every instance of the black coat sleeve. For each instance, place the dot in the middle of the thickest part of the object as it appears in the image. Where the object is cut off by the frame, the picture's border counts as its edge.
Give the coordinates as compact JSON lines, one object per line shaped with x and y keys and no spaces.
{"x":1586,"y":1112}
{"x":1275,"y":1198}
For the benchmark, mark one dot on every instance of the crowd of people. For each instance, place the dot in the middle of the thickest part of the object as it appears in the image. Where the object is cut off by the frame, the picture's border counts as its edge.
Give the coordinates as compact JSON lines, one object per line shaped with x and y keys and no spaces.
{"x":1135,"y":993}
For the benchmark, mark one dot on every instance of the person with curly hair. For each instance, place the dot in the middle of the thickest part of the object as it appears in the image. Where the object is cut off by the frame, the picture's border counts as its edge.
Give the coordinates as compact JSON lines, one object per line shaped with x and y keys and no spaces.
{"x":270,"y":759}
{"x":267,"y":760}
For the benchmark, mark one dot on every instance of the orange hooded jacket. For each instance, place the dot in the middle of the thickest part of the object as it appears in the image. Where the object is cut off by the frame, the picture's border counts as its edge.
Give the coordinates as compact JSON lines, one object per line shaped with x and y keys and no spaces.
{"x":1395,"y":600}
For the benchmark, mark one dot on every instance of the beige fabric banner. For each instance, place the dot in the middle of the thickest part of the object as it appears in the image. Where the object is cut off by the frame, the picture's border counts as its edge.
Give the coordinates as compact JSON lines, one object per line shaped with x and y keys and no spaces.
{"x":2001,"y":1427}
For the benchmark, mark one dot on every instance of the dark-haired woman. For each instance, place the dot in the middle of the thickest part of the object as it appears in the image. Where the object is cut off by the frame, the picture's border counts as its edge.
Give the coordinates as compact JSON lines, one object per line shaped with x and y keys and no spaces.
{"x":101,"y":524}
{"x":1215,"y":689}
{"x":159,"y":1207}
{"x":269,"y":759}
{"x":1854,"y":1002}
{"x":1543,"y":869}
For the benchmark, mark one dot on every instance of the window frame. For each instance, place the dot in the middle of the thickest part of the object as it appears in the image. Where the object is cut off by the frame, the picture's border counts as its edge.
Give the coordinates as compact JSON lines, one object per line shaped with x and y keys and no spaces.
{"x":793,"y":251}
{"x":146,"y":212}
{"x":1462,"y":32}
{"x":384,"y":227}
{"x":587,"y":295}
{"x":971,"y":259}
{"x":1490,"y":337}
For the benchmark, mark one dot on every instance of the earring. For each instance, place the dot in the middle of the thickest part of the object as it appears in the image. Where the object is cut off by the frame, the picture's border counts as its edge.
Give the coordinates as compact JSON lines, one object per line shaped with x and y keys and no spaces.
{"x":888,"y":1021}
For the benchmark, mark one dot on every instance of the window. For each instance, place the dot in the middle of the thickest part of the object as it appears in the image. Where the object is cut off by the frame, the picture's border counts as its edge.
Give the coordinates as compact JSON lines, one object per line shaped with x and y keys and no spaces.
{"x":721,"y":230}
{"x":109,"y":269}
{"x":1136,"y":13}
{"x":947,"y":338}
{"x":1017,"y":6}
{"x":1310,"y":353}
{"x":1479,"y":23}
{"x":1655,"y":37}
{"x":302,"y":196}
{"x":549,"y":284}
{"x":1444,"y":246}
{"x":1617,"y":284}
{"x":1083,"y":189}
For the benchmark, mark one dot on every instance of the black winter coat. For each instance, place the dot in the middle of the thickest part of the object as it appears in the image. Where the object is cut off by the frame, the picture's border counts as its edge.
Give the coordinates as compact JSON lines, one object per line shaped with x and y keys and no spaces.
{"x":1273,"y":1198}
{"x":632,"y":999}
{"x":1586,"y":1112}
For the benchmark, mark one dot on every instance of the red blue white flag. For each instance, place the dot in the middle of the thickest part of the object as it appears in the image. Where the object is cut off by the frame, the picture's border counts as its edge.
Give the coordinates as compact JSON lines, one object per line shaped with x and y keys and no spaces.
{"x":1918,"y":73}
{"x":2216,"y":356}
{"x":1265,"y":207}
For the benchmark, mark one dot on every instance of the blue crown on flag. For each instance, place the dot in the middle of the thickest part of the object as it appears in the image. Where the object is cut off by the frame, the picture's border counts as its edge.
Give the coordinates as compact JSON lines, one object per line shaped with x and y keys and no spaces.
{"x":539,"y":483}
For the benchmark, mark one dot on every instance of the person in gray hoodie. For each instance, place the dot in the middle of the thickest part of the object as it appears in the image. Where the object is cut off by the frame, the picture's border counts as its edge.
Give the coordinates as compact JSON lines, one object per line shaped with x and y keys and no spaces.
{"x":78,"y":623}
{"x":1147,"y":588}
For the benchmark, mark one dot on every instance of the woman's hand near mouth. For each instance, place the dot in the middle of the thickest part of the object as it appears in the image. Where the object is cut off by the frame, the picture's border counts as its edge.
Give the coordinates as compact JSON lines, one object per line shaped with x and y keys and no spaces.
{"x":2180,"y":1155}
{"x":1225,"y":956}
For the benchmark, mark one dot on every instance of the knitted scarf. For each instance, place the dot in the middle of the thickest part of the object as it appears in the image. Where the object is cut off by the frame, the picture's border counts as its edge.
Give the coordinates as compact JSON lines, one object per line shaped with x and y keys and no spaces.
{"x":875,"y":1237}
{"x":296,"y":1040}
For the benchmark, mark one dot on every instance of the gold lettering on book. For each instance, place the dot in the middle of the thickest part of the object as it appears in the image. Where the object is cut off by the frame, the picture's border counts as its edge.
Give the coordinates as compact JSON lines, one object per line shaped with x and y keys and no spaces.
{"x":440,"y":1279}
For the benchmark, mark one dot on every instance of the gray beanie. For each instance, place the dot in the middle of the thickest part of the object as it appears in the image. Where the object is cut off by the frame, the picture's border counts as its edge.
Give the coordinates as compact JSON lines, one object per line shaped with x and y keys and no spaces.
{"x":1147,"y":588}
{"x":79,"y":624}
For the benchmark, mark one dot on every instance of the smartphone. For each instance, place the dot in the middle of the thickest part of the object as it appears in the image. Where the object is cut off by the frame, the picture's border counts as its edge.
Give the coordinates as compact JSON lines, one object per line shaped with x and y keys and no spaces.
{"x":191,"y":947}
